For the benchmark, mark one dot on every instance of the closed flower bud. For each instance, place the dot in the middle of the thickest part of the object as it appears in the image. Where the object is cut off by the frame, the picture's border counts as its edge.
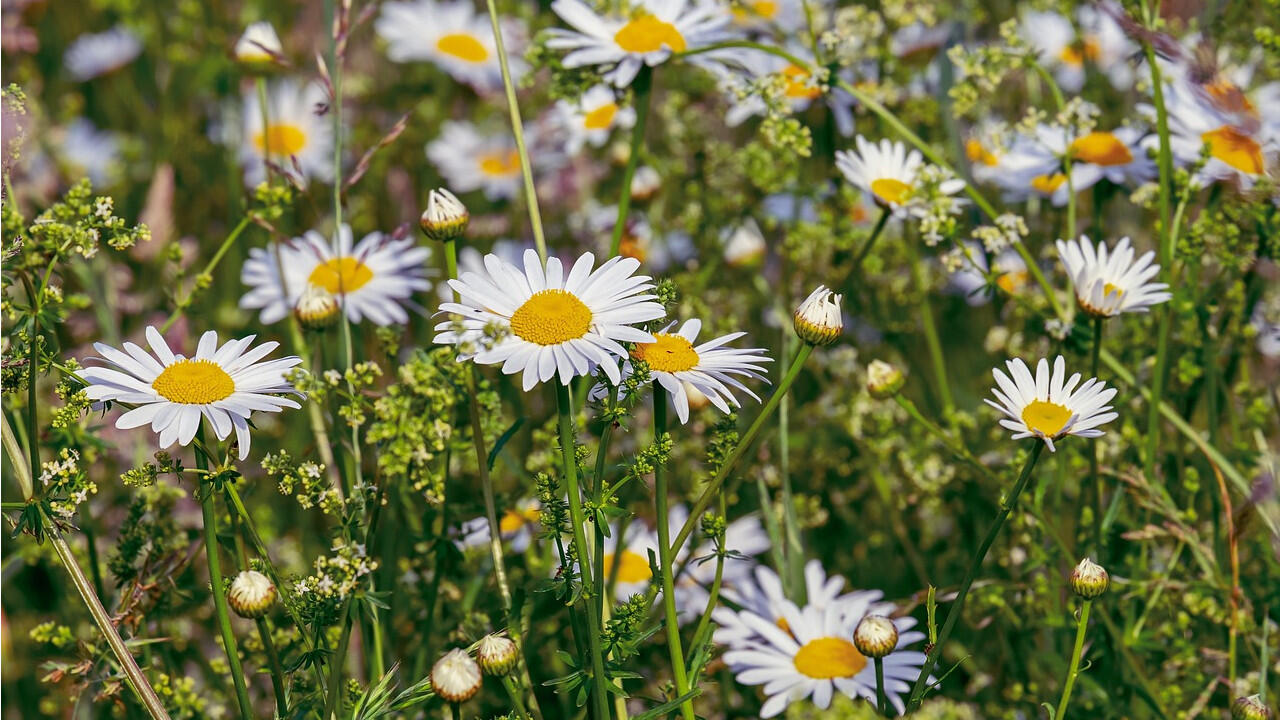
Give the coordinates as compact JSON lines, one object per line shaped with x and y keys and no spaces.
{"x":817,"y":320}
{"x":876,"y":636}
{"x":259,"y":46}
{"x":497,"y":655}
{"x":251,"y":594}
{"x":1250,"y":708}
{"x":317,"y":309}
{"x":456,"y":677}
{"x":1089,"y":580}
{"x":745,"y":245}
{"x":445,"y":218}
{"x":883,"y":380}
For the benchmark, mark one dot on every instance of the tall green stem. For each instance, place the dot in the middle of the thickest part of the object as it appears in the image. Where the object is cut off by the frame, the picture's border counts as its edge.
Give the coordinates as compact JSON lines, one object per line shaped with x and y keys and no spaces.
{"x":264,"y":630}
{"x":564,"y":409}
{"x":642,"y":87}
{"x":871,"y":240}
{"x":666,"y":560}
{"x":1094,"y":448}
{"x":882,"y":705}
{"x":953,"y":614}
{"x":1081,"y":623}
{"x":209,"y":267}
{"x":934,"y":344}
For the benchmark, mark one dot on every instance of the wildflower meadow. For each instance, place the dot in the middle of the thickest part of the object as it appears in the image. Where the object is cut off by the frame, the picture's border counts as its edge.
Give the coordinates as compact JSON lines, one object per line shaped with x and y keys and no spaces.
{"x":640,"y":359}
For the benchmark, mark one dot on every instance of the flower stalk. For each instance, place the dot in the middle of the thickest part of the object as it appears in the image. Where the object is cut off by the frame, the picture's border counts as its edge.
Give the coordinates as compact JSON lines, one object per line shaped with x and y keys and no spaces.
{"x":666,"y":560}
{"x":1082,"y":621}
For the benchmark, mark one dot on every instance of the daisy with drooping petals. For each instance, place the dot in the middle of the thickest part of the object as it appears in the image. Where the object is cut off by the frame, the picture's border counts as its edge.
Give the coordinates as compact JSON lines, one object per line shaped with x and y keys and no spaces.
{"x":647,"y":34}
{"x":556,"y":323}
{"x":452,"y":35}
{"x":293,"y":132}
{"x":99,"y":53}
{"x":371,"y":279}
{"x":1110,"y":283}
{"x":1049,"y":406}
{"x":224,"y":385}
{"x":1240,"y":146}
{"x":1100,"y":42}
{"x":814,"y":657}
{"x":592,"y":117}
{"x":970,"y":278}
{"x":762,"y":593}
{"x":888,"y":173}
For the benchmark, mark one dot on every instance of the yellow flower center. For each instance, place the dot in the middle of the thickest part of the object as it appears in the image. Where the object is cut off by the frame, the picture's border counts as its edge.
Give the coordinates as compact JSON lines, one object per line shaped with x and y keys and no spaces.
{"x":646,"y":34}
{"x":1235,"y":149}
{"x":551,"y":317}
{"x":194,"y":382}
{"x":462,"y":46}
{"x":340,"y":275}
{"x":1228,"y":96}
{"x":1045,"y":417}
{"x":890,"y":191}
{"x":500,"y":164}
{"x":1047,"y":184}
{"x":671,"y":353}
{"x":281,"y":139}
{"x":633,"y":568}
{"x":767,"y":9}
{"x":513,"y":520}
{"x":979,"y":154}
{"x":1109,"y":289}
{"x":829,"y":657}
{"x":1101,"y":148}
{"x":797,"y":84}
{"x":601,"y":117}
{"x":1075,"y":55}
{"x":1012,"y":282}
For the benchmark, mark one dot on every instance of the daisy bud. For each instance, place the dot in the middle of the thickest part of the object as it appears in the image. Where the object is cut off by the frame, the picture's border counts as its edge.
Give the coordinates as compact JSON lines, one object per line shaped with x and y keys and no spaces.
{"x":259,"y":47}
{"x":497,"y":655}
{"x":875,"y":636}
{"x":883,"y":380}
{"x":445,"y":218}
{"x":818,"y":320}
{"x":1089,"y":580}
{"x":251,"y":594}
{"x":317,"y":309}
{"x":745,"y":245}
{"x":456,"y":677}
{"x":645,"y":183}
{"x":1250,"y":708}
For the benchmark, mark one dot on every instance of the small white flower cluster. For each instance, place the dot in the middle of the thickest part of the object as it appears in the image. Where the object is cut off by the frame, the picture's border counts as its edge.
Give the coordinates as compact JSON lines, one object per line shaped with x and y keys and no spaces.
{"x":338,"y":576}
{"x":1009,"y":230}
{"x":847,"y":41}
{"x":938,"y":208}
{"x":1079,"y":116}
{"x":67,"y":486}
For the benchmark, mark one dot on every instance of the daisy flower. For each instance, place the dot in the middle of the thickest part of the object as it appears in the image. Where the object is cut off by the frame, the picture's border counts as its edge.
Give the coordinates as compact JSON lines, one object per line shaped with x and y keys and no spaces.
{"x":293,"y":132}
{"x":553,"y":323}
{"x":889,"y":174}
{"x":1115,"y":155}
{"x":762,"y":593}
{"x":799,"y":89}
{"x":450,"y":34}
{"x":1108,"y":284}
{"x":647,"y":34}
{"x":1050,"y":406}
{"x":815,"y":657}
{"x":971,"y":279}
{"x":1239,"y":146}
{"x":518,"y":526}
{"x":94,"y":151}
{"x":97,"y":54}
{"x":373,"y":278}
{"x":744,"y":244}
{"x":592,"y":117}
{"x":1101,"y":42}
{"x":787,"y":16}
{"x":470,"y":161}
{"x":224,"y":385}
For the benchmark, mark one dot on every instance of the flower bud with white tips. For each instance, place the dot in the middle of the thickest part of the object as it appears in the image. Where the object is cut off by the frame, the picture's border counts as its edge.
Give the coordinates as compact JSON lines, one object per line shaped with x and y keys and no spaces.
{"x":456,"y":677}
{"x":883,"y":380}
{"x":818,"y":320}
{"x":1089,"y":579}
{"x":251,"y":594}
{"x":876,"y":636}
{"x":317,"y":309}
{"x":1250,"y":708}
{"x":259,"y":47}
{"x":496,"y":654}
{"x":445,"y":218}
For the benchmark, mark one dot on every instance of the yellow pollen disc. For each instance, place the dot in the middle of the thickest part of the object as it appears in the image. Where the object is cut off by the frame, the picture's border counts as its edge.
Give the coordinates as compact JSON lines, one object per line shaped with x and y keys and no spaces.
{"x":500,"y":164}
{"x":979,"y":154}
{"x":601,"y":117}
{"x":646,"y":34}
{"x":797,"y":80}
{"x":1075,"y":56}
{"x":1045,"y":417}
{"x":551,"y":317}
{"x":1109,"y":289}
{"x":1235,"y":149}
{"x":341,"y":275}
{"x":829,"y":657}
{"x":890,"y":191}
{"x":1046,"y":184}
{"x":281,"y":139}
{"x":1101,"y":148}
{"x":1012,"y":282}
{"x":671,"y":353}
{"x":463,"y":47}
{"x":633,"y":569}
{"x":194,"y":382}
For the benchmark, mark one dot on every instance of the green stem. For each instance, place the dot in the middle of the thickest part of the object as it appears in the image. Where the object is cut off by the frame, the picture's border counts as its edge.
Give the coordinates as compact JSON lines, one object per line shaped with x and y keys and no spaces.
{"x":871,"y":241}
{"x":703,"y":628}
{"x":709,"y":492}
{"x":932,"y":340}
{"x":333,"y":705}
{"x":451,"y":260}
{"x":793,"y":551}
{"x":209,"y":267}
{"x":953,"y":614}
{"x":569,"y":461}
{"x":665,"y":558}
{"x":1081,"y":623}
{"x":33,"y":375}
{"x":264,"y":630}
{"x":1094,"y":448}
{"x":517,"y":129}
{"x":209,"y":513}
{"x":882,"y":705}
{"x":513,"y":693}
{"x":642,"y":87}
